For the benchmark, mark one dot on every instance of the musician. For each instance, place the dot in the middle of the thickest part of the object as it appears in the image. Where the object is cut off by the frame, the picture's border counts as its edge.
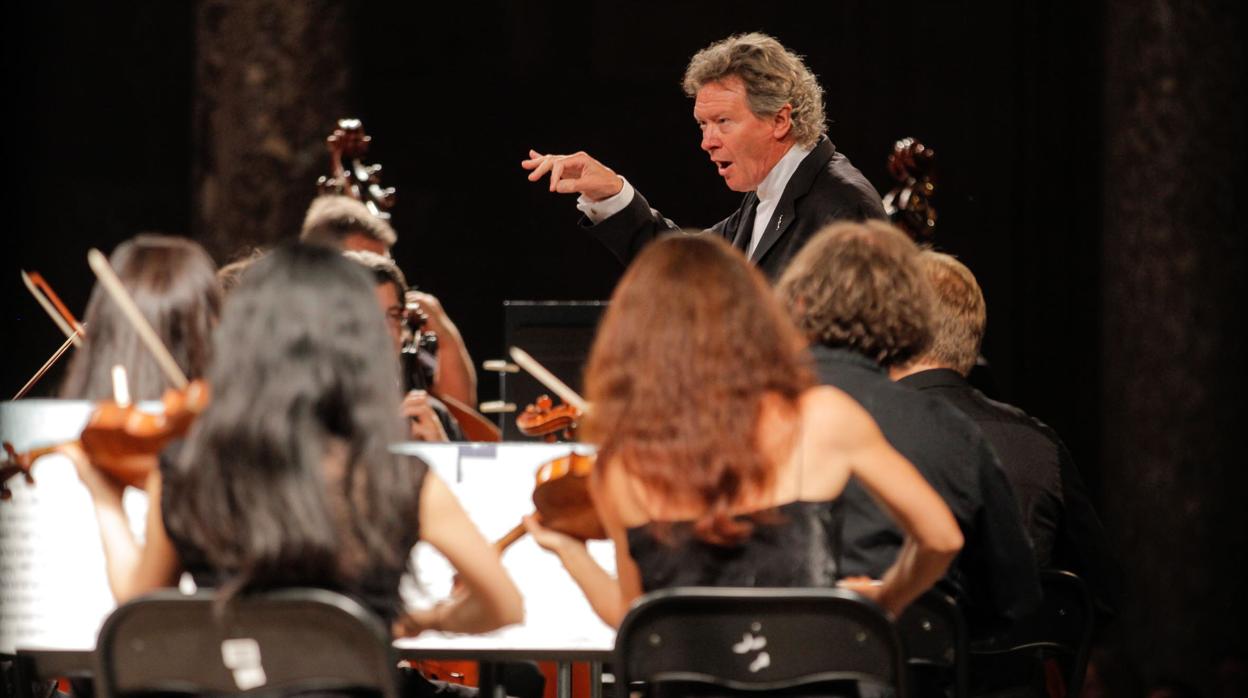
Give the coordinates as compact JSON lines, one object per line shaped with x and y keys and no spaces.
{"x":231,"y":272}
{"x":719,"y":462}
{"x":857,"y":293}
{"x":173,"y":281}
{"x":286,"y":479}
{"x":1063,"y":525}
{"x":761,"y":114}
{"x":342,"y":222}
{"x":428,"y":419}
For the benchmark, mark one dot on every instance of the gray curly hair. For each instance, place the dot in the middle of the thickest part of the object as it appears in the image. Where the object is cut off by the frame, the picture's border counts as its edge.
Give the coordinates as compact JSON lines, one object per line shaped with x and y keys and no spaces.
{"x":773,"y":75}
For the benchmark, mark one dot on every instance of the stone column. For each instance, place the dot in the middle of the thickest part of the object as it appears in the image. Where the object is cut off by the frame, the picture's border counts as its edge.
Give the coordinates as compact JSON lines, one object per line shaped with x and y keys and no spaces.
{"x":1174,"y":301}
{"x":271,"y":79}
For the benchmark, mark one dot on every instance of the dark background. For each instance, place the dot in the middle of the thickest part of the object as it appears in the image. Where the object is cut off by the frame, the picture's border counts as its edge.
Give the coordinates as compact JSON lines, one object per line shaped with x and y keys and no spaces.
{"x":1090,"y":160}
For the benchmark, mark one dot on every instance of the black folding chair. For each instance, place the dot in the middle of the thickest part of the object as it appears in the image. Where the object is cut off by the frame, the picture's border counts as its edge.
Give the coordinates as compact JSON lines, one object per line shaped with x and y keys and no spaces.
{"x":933,"y":633}
{"x":294,"y":641}
{"x":774,"y":641}
{"x":1061,"y":629}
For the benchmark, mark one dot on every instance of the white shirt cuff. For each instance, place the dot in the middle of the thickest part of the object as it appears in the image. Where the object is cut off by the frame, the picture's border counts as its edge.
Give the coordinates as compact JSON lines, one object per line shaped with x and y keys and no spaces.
{"x":599,"y":211}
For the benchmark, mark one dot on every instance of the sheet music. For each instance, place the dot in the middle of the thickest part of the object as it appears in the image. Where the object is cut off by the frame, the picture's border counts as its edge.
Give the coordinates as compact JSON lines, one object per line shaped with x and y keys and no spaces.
{"x":496,"y":492}
{"x":54,"y":589}
{"x":53,"y":585}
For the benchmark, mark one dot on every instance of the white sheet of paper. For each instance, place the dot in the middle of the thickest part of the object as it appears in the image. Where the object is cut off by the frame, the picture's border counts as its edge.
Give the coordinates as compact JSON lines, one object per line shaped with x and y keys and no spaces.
{"x":54,"y":590}
{"x":53,"y":586}
{"x":496,"y":490}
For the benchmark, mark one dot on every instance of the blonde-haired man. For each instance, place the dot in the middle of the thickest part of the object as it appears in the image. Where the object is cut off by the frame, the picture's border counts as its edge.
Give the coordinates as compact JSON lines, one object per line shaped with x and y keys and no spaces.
{"x":760,"y":110}
{"x":1065,"y":530}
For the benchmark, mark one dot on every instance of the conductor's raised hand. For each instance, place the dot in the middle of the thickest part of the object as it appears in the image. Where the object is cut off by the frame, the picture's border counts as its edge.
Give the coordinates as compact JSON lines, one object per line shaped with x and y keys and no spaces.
{"x":577,"y":173}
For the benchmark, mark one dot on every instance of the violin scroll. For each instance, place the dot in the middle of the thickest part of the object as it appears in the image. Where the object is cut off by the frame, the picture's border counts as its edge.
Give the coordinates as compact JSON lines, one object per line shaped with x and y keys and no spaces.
{"x":15,"y":464}
{"x":543,"y":418}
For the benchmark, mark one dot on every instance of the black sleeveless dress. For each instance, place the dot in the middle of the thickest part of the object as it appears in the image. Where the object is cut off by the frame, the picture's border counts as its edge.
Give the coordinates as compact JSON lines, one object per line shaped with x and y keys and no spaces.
{"x":792,"y":545}
{"x":377,"y":587}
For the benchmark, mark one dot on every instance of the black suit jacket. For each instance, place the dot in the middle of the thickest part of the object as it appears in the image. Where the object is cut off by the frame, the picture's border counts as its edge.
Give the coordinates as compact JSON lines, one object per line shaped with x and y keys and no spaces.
{"x":995,"y":573}
{"x":1056,"y":507}
{"x":824,"y":188}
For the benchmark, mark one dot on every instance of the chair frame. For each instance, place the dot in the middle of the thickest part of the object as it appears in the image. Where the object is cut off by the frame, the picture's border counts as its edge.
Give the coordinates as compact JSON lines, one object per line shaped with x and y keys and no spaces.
{"x":930,"y":616}
{"x":862,"y":643}
{"x":1060,"y":589}
{"x":169,"y":641}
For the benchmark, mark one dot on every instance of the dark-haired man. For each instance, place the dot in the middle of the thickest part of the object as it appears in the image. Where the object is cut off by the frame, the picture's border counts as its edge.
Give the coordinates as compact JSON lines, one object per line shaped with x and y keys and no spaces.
{"x":760,"y":110}
{"x":858,"y":294}
{"x":1064,"y":527}
{"x":342,"y":222}
{"x":428,"y":418}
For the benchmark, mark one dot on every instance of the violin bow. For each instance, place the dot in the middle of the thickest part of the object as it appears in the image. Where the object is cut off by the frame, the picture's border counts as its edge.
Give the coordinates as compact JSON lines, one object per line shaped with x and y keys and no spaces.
{"x":548,"y":379}
{"x":65,"y":320}
{"x":74,"y":336}
{"x":108,"y":278}
{"x":51,"y":303}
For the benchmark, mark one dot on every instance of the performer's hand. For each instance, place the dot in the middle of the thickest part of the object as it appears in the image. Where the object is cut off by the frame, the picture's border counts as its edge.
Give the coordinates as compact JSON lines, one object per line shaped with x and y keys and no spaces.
{"x":871,"y":588}
{"x":416,"y":621}
{"x":101,"y":487}
{"x":549,"y":539}
{"x":577,"y":173}
{"x":423,"y":421}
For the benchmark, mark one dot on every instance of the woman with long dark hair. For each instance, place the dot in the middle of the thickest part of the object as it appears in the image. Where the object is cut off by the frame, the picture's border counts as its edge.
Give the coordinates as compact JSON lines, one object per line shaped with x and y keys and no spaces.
{"x":719,"y":461}
{"x":174,"y":283}
{"x":286,"y":479}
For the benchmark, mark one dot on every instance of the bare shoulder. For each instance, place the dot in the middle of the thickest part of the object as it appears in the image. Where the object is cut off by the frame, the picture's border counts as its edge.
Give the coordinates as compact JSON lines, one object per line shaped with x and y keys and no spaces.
{"x":831,"y":412}
{"x":615,"y":494}
{"x":829,"y":418}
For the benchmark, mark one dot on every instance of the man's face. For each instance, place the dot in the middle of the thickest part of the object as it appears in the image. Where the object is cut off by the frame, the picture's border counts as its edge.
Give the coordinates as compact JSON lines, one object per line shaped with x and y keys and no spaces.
{"x":392,"y":306}
{"x":743,"y":147}
{"x":359,"y":241}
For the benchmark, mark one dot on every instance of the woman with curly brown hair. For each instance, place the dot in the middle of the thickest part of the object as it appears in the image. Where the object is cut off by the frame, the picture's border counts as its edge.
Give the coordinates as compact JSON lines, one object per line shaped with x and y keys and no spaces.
{"x":720,"y":463}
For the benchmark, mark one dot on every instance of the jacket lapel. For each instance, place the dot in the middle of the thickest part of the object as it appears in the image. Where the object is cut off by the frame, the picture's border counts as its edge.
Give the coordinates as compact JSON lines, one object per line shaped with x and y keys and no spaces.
{"x":798,"y":186}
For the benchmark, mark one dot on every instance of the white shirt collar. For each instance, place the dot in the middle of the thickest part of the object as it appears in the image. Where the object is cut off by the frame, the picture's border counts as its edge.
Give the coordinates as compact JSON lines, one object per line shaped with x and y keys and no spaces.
{"x":774,"y":183}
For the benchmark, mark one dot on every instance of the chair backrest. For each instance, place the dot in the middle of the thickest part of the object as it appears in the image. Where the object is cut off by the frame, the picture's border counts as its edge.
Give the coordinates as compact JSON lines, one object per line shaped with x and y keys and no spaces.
{"x":933,"y":633}
{"x":280,"y":642}
{"x":1061,"y":627}
{"x":756,"y":640}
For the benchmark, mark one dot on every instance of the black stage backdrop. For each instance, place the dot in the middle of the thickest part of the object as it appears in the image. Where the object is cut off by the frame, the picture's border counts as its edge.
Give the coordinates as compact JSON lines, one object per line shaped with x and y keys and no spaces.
{"x":207,"y":119}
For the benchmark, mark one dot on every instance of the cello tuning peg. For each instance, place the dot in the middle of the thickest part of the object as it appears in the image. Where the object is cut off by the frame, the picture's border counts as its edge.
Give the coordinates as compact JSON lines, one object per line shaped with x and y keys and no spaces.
{"x":496,"y":407}
{"x":500,"y":366}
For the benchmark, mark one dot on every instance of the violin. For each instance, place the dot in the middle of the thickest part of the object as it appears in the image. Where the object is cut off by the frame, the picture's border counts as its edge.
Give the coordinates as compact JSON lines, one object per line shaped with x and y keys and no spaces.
{"x":544,"y":419}
{"x":561,"y":488}
{"x":909,"y":204}
{"x":120,"y":439}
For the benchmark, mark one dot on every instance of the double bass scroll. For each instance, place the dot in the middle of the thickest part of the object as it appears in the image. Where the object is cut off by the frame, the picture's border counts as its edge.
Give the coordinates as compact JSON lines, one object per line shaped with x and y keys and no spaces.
{"x":909,"y":204}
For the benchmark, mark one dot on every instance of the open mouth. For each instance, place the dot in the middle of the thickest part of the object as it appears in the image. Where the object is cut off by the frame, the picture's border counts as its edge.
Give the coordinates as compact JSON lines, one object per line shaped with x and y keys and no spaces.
{"x":722,"y":167}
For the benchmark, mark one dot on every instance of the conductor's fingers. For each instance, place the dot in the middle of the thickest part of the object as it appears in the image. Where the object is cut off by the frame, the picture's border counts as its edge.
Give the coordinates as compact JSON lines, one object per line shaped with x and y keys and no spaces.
{"x":542,"y":168}
{"x":556,"y":173}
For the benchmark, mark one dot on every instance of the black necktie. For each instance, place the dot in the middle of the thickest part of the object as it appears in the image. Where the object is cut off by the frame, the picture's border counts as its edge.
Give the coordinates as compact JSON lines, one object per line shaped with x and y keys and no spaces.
{"x":746,"y":232}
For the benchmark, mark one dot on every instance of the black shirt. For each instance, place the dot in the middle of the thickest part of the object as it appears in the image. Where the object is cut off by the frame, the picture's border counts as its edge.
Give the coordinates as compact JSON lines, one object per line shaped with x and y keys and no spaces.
{"x":996,"y":572}
{"x":1057,"y":511}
